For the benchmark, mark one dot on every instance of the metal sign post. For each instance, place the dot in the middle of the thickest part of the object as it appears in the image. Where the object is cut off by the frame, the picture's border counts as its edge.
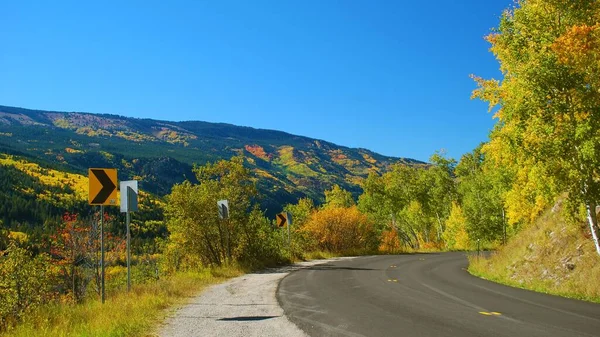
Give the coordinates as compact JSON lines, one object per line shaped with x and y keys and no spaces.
{"x":102,"y":294}
{"x":289,"y":224}
{"x":129,"y":193}
{"x":102,"y":191}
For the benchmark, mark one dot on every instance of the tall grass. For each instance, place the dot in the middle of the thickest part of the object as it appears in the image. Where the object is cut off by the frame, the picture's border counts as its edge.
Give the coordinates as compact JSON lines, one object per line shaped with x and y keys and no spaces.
{"x":123,"y":314}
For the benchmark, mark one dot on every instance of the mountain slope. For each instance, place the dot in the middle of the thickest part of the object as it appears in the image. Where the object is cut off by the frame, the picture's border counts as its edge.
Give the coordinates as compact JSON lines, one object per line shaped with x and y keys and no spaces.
{"x":161,"y":153}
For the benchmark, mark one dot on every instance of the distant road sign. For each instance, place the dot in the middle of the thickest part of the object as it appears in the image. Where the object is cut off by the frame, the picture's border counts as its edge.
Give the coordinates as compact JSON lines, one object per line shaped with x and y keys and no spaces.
{"x":129,"y":196}
{"x":103,"y":186}
{"x":223,"y":209}
{"x":282,"y":219}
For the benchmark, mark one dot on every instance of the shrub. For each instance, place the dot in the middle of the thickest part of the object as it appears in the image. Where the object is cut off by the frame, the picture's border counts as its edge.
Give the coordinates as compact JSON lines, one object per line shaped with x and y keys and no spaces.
{"x":338,"y":229}
{"x":25,"y":283}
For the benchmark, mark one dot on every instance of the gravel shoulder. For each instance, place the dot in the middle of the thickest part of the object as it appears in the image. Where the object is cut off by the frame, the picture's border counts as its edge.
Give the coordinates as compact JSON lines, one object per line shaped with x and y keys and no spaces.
{"x":243,"y":306}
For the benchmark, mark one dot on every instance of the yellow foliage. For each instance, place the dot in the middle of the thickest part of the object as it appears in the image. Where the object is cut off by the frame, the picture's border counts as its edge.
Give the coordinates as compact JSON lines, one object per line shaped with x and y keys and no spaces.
{"x":51,"y":177}
{"x":18,"y":236}
{"x":369,"y":159}
{"x":340,"y":229}
{"x":107,"y":155}
{"x":455,"y":235}
{"x":71,"y":150}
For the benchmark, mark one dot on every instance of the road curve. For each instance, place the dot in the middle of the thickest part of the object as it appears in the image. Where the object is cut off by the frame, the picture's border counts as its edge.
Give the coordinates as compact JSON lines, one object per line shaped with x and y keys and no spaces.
{"x":424,"y":295}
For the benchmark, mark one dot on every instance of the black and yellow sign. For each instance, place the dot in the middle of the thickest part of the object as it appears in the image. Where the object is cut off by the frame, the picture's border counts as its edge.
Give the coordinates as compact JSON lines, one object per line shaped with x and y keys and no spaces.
{"x":103,"y":186}
{"x":282,"y":219}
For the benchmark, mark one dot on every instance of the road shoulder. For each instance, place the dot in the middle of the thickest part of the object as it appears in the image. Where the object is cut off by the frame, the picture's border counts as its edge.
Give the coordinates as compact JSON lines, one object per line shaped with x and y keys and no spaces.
{"x":244,"y":306}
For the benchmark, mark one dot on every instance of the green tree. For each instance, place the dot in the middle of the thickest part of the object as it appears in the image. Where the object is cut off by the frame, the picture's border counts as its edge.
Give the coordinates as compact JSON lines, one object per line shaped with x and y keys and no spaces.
{"x":193,"y":221}
{"x":301,"y":241}
{"x":338,"y":197}
{"x":482,"y":207}
{"x":438,"y":190}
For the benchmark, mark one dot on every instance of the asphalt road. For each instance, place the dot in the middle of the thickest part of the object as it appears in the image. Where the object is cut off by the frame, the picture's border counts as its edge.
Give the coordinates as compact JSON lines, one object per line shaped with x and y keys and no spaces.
{"x":424,"y":295}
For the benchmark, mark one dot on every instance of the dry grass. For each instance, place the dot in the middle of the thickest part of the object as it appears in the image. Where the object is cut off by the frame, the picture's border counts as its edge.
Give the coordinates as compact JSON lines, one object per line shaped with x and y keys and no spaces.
{"x":123,"y":314}
{"x":550,"y":256}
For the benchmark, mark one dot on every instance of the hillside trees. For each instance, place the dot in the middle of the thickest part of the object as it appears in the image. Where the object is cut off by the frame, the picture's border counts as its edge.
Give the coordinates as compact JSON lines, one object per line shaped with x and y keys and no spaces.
{"x":548,"y":103}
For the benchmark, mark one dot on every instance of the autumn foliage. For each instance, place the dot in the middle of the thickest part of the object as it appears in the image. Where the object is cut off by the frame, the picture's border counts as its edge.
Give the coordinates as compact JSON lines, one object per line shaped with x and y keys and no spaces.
{"x":390,"y":243}
{"x":339,"y":229}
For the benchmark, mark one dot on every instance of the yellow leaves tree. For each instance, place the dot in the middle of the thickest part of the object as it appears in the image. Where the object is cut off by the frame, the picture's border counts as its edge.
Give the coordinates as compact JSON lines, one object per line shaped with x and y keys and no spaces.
{"x":337,"y":229}
{"x":548,"y":102}
{"x":455,"y":235}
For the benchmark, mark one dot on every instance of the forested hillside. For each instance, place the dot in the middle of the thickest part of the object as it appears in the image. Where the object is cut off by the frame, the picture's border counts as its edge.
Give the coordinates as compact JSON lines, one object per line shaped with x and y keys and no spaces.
{"x":160,"y":153}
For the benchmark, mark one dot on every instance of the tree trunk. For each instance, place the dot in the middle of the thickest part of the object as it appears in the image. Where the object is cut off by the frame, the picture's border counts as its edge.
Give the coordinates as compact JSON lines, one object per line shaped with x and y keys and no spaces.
{"x":504,"y":226}
{"x":73,"y":282}
{"x":440,"y":229}
{"x":593,"y":221}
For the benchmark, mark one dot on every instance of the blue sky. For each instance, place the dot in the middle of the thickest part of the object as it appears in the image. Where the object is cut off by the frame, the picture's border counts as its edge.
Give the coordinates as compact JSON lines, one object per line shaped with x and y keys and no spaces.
{"x":389,"y":76}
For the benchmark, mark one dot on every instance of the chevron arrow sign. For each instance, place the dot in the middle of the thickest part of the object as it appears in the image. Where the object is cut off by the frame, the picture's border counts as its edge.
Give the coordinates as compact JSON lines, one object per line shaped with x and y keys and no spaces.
{"x":103,"y":186}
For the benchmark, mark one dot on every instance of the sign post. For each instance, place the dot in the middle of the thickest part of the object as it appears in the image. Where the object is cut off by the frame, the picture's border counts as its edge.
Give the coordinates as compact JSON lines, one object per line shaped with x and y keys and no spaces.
{"x":102,"y":191}
{"x":129,"y":203}
{"x":102,"y":293}
{"x":285,"y":219}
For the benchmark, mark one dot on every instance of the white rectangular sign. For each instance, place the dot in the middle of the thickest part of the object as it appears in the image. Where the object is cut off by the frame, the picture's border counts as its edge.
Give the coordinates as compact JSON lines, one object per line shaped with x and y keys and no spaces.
{"x":129,"y":200}
{"x":223,"y":209}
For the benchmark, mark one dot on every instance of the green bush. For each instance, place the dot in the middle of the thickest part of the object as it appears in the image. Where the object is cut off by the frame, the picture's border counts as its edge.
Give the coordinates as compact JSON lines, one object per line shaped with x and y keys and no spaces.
{"x":25,"y":283}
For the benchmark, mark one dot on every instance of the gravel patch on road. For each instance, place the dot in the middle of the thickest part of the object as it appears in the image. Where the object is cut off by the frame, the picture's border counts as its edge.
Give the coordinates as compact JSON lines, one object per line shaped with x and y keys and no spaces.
{"x":244,"y":306}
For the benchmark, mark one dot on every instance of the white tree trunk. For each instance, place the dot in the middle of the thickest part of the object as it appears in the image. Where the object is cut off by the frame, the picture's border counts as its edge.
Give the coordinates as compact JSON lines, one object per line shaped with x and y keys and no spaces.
{"x":592,"y":220}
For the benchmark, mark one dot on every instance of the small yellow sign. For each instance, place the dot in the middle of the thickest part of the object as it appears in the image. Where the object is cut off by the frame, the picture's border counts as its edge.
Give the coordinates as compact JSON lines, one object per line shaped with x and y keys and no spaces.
{"x":282,"y":219}
{"x":103,"y":186}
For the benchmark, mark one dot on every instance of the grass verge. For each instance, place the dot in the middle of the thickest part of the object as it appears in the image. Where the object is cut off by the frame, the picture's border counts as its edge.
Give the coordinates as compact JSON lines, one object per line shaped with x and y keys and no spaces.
{"x":123,"y":314}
